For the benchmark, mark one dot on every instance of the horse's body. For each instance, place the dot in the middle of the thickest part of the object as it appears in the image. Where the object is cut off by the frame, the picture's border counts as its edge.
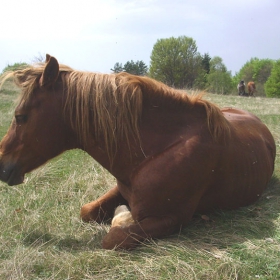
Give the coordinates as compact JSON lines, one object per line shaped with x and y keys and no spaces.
{"x":172,"y":155}
{"x":241,"y":88}
{"x":251,"y":88}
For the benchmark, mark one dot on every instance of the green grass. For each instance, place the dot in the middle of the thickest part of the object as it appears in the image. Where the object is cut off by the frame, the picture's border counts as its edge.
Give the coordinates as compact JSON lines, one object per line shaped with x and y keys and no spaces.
{"x":42,"y":236}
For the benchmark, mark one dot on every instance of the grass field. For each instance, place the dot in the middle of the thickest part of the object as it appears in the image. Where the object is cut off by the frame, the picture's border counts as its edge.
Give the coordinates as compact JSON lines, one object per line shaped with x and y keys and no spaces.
{"x":42,"y":237}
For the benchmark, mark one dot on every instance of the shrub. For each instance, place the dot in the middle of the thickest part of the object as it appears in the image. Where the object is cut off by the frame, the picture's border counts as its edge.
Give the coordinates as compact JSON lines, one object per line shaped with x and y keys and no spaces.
{"x":272,"y":86}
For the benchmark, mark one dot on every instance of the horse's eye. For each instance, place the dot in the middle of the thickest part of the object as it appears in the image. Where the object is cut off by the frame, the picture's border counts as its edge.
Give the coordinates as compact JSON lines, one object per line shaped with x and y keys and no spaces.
{"x":20,"y":119}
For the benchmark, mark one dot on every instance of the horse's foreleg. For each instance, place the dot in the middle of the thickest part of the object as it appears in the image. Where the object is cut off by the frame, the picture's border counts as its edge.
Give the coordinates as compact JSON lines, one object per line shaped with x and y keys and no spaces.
{"x":103,"y":208}
{"x":130,"y":236}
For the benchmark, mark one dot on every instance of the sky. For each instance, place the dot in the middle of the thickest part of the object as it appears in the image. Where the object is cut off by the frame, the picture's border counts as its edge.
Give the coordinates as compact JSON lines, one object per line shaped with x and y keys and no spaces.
{"x":92,"y":35}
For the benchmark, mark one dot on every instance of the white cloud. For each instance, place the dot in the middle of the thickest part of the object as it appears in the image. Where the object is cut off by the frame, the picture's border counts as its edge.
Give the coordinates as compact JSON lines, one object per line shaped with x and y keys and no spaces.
{"x":52,"y":19}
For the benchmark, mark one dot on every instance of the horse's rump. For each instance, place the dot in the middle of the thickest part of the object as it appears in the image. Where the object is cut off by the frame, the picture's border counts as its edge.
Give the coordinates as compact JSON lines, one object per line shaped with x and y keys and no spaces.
{"x":251,"y":88}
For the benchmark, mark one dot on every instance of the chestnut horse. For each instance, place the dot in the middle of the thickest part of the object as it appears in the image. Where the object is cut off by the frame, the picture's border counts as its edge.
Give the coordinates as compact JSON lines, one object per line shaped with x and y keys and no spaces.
{"x":251,"y":88}
{"x":171,"y":154}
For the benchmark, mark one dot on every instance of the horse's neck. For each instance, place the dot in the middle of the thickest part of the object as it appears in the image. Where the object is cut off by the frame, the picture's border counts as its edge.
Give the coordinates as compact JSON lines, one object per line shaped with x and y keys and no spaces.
{"x":124,"y":160}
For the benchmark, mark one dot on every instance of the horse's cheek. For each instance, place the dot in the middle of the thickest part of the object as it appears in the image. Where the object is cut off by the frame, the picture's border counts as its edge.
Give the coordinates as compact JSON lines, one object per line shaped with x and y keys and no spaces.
{"x":12,"y":141}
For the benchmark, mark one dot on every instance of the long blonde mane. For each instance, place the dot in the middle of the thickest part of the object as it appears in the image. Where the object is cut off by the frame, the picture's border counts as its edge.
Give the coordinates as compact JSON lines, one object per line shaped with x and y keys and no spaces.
{"x":106,"y":102}
{"x":109,"y":106}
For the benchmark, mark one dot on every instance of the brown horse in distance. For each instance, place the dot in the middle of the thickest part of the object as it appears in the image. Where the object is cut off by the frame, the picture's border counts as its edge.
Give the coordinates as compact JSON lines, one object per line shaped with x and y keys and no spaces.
{"x":172,"y":154}
{"x":251,"y":88}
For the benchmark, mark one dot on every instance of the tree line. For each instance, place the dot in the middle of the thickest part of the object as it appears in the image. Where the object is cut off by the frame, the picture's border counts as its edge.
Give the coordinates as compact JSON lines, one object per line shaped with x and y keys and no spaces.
{"x":177,"y":63}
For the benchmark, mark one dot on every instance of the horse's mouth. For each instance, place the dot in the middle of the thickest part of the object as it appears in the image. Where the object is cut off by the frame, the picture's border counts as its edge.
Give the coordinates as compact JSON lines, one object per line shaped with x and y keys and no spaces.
{"x":15,"y":180}
{"x":10,"y":175}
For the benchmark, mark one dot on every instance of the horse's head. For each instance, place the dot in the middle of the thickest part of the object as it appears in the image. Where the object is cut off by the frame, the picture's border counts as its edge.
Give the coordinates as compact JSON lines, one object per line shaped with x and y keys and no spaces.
{"x":37,"y":131}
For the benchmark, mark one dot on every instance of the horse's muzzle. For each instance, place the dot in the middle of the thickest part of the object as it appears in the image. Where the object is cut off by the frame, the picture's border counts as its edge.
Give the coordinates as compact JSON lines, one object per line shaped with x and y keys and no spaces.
{"x":10,"y":174}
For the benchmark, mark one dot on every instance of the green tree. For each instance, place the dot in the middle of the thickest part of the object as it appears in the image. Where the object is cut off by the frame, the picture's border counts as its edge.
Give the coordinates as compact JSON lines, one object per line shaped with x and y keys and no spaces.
{"x":219,"y":79}
{"x":201,"y":79}
{"x":15,"y":66}
{"x":117,"y":68}
{"x":206,"y":62}
{"x":175,"y":61}
{"x":272,"y":85}
{"x":137,"y":68}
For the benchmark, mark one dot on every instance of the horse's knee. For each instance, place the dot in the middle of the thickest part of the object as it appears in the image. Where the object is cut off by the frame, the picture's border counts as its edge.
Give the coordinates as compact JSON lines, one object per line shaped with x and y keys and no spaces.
{"x":92,"y":212}
{"x":85,"y":212}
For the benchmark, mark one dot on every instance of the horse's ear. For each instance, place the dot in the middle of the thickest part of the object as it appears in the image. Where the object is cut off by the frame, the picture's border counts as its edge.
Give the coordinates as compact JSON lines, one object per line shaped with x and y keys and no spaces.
{"x":50,"y":73}
{"x":47,"y":58}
